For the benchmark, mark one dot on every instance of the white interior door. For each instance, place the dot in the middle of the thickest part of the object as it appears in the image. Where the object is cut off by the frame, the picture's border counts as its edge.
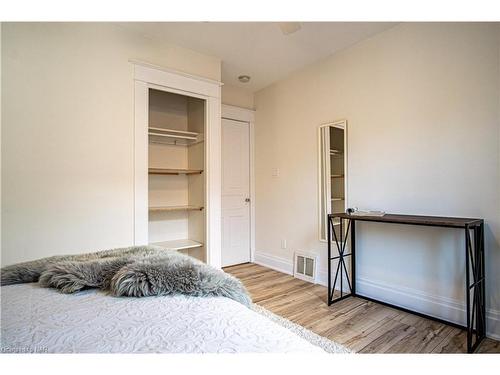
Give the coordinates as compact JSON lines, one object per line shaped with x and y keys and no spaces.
{"x":235,"y":192}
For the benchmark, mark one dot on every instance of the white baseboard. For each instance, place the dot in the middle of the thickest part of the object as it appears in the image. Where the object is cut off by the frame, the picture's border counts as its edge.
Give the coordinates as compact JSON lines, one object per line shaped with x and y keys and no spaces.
{"x":274,"y":262}
{"x":438,"y":306}
{"x":322,"y":279}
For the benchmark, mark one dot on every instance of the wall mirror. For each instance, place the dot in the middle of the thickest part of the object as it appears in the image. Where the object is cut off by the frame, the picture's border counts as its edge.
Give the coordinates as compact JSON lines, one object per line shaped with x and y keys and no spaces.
{"x":332,"y":141}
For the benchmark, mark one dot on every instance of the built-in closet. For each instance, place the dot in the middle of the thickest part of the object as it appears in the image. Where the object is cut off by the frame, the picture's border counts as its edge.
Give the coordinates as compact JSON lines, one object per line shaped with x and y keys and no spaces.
{"x":177,"y":162}
{"x":176,"y":183}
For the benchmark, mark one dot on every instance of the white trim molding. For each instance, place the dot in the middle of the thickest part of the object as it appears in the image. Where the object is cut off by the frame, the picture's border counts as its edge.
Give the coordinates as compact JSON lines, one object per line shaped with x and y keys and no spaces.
{"x":180,"y":81}
{"x":178,"y":73}
{"x":274,"y":262}
{"x":148,"y":76}
{"x":234,"y":113}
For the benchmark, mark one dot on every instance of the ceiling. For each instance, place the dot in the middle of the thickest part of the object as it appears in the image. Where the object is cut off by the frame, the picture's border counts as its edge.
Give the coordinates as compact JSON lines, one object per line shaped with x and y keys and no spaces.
{"x":260,"y":49}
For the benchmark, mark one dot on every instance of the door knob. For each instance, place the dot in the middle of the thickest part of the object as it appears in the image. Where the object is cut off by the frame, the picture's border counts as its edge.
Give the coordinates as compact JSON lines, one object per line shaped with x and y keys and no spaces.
{"x":247,"y":200}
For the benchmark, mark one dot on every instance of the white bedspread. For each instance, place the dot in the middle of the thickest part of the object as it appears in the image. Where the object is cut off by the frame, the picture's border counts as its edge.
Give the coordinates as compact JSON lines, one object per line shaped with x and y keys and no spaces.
{"x":44,"y":320}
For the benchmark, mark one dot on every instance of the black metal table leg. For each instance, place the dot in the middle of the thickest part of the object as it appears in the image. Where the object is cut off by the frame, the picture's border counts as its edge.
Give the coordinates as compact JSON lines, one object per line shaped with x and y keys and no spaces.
{"x":467,"y":289}
{"x":341,"y":258}
{"x":483,"y":276}
{"x":353,"y":257}
{"x":478,"y":286}
{"x":474,"y":264}
{"x":340,"y":243}
{"x":328,"y":223}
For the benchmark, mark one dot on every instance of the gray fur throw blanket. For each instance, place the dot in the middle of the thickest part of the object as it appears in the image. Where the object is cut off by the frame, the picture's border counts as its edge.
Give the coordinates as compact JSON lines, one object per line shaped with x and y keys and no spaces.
{"x":138,"y":271}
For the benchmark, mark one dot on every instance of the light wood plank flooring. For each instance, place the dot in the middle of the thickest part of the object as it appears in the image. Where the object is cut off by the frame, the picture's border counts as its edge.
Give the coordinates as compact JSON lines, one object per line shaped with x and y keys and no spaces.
{"x":363,"y":326}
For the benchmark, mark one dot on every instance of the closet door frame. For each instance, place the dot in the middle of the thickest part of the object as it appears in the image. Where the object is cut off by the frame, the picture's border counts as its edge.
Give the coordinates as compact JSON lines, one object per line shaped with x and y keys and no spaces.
{"x":148,"y":76}
{"x":230,"y":112}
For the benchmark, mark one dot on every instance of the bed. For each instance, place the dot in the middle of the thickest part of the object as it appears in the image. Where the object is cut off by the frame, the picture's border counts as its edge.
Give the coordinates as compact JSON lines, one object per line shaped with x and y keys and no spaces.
{"x":36,"y":319}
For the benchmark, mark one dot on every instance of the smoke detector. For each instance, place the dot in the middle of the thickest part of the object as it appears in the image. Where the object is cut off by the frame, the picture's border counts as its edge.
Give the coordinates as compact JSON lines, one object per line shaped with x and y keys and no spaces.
{"x":288,"y":28}
{"x":244,"y":78}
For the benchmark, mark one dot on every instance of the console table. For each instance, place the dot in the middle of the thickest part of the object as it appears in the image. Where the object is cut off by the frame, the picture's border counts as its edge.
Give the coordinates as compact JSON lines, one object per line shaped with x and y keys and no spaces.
{"x":474,"y":264}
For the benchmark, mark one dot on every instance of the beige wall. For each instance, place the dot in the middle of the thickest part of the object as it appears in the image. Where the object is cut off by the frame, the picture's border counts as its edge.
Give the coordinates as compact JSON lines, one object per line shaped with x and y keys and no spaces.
{"x":422,"y":104}
{"x":67,"y":134}
{"x":237,"y":96}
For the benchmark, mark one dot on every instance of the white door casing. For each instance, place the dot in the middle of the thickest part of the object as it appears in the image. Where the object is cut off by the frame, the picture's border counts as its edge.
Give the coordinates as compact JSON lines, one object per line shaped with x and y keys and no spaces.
{"x":235,"y":192}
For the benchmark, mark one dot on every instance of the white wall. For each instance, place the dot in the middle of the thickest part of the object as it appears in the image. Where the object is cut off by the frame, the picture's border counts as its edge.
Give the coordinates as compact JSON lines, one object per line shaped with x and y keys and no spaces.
{"x":422,"y":104}
{"x":67,"y":134}
{"x":237,"y":96}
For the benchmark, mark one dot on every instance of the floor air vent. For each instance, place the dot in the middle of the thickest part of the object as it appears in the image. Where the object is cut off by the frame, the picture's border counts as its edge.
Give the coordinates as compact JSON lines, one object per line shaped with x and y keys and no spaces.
{"x":305,"y":267}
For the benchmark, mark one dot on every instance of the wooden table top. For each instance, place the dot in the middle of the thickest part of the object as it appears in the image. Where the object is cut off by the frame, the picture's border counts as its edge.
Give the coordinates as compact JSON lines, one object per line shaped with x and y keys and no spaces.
{"x":436,"y":221}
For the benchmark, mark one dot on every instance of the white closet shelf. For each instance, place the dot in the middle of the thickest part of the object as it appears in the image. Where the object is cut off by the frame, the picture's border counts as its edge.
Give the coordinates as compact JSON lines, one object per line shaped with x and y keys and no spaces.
{"x":172,"y":171}
{"x":338,"y":199}
{"x":178,"y":244}
{"x":173,"y":132}
{"x":336,"y":154}
{"x":175,"y":208}
{"x":173,"y":136}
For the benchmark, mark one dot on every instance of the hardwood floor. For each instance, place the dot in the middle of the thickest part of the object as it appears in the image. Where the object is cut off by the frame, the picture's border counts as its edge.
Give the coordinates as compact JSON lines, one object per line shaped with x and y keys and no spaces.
{"x":364,"y":326}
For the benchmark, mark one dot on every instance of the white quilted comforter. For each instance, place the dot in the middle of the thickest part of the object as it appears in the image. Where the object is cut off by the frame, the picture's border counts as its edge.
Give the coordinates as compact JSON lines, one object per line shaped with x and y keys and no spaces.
{"x":36,"y":319}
